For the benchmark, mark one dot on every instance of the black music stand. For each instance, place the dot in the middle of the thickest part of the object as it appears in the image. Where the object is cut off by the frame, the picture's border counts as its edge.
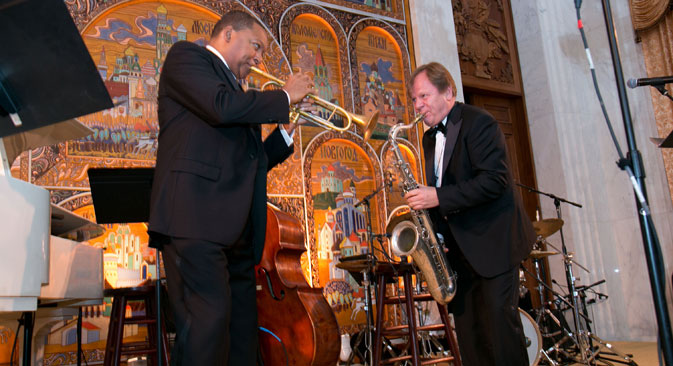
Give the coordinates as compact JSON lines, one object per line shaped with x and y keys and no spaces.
{"x":122,"y":195}
{"x":47,"y":77}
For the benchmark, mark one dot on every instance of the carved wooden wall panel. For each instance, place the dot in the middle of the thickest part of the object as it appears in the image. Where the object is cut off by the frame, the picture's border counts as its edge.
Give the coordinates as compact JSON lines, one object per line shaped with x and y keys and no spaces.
{"x":487,"y":45}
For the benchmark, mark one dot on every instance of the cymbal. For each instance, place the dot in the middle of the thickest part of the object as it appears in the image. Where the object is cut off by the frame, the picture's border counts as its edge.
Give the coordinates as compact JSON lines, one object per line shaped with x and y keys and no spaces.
{"x":546,"y":227}
{"x":538,"y":254}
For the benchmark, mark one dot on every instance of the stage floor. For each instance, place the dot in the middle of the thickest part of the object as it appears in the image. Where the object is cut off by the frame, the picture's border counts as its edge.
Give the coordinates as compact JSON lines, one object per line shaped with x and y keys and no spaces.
{"x":644,"y":353}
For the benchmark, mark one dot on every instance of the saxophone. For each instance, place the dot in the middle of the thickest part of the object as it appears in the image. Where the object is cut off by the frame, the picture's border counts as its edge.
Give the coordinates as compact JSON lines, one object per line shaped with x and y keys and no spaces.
{"x":416,"y":237}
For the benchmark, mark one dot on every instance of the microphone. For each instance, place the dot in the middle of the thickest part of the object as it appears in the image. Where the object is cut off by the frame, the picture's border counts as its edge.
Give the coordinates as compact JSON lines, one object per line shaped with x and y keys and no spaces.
{"x":633,"y":83}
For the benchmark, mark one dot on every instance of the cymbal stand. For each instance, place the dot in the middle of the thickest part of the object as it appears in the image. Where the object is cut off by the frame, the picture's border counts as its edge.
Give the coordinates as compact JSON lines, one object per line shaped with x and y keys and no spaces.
{"x":596,"y":353}
{"x":542,"y":314}
{"x":583,"y":332}
{"x":544,"y":311}
{"x":570,"y":278}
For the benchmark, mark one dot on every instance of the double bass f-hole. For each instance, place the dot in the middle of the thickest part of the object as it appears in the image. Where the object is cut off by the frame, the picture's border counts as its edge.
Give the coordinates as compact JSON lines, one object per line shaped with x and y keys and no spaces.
{"x":263,"y":271}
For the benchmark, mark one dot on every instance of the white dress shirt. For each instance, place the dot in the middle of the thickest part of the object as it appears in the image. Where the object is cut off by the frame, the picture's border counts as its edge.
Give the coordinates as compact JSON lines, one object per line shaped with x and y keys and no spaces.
{"x":440,"y":143}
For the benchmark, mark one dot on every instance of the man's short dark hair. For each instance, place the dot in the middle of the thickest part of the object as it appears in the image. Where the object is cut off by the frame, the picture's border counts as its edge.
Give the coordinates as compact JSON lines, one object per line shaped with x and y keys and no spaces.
{"x":238,"y":20}
{"x":438,"y":75}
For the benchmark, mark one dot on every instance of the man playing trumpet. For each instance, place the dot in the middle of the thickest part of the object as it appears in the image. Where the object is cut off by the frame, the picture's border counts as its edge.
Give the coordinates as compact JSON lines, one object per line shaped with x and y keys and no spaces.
{"x":208,"y":203}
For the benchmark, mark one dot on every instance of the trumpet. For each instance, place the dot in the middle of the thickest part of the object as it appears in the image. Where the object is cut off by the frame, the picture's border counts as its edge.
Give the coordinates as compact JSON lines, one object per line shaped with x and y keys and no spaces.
{"x":367,"y":124}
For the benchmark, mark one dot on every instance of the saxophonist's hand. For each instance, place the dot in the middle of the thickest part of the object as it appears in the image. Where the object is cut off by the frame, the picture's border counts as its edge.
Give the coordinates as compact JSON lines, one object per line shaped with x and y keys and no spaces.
{"x":423,"y":197}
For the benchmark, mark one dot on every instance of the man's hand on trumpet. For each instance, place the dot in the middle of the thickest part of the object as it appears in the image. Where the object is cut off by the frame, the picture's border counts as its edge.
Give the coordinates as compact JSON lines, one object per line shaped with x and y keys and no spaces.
{"x":298,"y":86}
{"x":307,"y":105}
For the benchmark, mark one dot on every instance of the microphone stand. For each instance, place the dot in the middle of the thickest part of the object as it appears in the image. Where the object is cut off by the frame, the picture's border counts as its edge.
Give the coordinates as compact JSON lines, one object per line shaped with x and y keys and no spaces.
{"x":632,"y":164}
{"x":662,"y":89}
{"x":368,"y":278}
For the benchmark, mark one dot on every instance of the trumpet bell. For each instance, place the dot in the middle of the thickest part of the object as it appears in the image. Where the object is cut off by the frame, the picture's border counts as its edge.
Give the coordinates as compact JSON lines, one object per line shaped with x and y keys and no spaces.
{"x":368,"y":125}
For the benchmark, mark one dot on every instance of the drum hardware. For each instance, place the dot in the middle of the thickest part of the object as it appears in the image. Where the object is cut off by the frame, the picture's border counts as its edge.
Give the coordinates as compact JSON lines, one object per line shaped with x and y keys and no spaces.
{"x":566,"y":348}
{"x":430,"y":345}
{"x":361,"y":267}
{"x":580,"y":341}
{"x":365,"y":268}
{"x":523,"y":290}
{"x":428,"y":342}
{"x":533,"y":339}
{"x":582,"y":338}
{"x":547,"y":227}
{"x":597,"y":348}
{"x":539,"y":254}
{"x":545,"y":318}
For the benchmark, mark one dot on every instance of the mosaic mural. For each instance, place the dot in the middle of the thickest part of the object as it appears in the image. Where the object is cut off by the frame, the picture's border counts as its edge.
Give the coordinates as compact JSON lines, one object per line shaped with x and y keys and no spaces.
{"x":381,"y":76}
{"x":323,"y":183}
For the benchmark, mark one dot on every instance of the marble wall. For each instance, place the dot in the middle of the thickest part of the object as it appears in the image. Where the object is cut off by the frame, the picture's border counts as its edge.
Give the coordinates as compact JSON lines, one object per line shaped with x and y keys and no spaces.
{"x":573,"y":152}
{"x":434,"y":36}
{"x":575,"y":157}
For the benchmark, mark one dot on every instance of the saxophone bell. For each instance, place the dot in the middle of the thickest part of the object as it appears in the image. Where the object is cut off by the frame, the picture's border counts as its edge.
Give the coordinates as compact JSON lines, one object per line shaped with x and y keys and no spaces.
{"x":404,"y":238}
{"x":402,"y":232}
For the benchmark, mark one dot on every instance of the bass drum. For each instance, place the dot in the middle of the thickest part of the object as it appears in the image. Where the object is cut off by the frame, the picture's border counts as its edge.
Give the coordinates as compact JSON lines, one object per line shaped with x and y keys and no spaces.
{"x":533,"y":338}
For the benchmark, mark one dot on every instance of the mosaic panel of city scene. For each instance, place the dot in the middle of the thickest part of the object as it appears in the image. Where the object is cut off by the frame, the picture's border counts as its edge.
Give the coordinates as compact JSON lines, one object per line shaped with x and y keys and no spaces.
{"x":341,"y":176}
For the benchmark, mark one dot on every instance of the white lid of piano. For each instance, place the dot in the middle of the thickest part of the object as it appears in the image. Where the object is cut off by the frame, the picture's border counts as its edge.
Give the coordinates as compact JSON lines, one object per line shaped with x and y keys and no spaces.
{"x":37,"y":89}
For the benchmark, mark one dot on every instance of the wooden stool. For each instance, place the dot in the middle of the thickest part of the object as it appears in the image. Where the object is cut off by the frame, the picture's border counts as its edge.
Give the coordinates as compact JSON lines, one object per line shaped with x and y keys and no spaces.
{"x":115,"y":346}
{"x":385,"y":272}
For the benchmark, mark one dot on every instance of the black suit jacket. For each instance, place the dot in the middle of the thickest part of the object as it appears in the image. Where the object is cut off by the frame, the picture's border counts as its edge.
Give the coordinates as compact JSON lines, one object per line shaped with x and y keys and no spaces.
{"x":210,"y":176}
{"x":478,"y":204}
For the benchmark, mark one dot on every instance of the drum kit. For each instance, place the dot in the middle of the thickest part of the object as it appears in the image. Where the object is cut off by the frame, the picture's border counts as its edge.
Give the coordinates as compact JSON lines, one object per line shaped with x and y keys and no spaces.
{"x":549,"y":338}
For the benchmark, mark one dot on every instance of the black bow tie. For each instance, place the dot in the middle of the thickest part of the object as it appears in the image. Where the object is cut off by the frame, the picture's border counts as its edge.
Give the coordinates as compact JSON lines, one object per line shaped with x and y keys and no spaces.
{"x":440,"y":127}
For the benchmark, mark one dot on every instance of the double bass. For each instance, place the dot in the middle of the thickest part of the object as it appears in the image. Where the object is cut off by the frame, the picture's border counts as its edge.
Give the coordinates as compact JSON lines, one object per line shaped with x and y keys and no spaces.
{"x":297,"y":325}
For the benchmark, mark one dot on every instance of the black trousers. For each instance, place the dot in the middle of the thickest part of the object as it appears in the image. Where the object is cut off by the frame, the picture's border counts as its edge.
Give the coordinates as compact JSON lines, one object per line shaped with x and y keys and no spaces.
{"x":211,"y":290}
{"x":485,"y":310}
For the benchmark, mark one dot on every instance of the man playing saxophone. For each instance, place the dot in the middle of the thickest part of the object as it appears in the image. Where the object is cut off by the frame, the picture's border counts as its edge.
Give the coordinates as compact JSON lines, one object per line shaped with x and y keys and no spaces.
{"x":474,"y":206}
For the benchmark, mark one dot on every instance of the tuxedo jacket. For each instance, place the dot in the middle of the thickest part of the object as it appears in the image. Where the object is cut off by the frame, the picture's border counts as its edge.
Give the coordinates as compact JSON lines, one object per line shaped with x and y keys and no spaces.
{"x":210,"y":176}
{"x":478,"y":204}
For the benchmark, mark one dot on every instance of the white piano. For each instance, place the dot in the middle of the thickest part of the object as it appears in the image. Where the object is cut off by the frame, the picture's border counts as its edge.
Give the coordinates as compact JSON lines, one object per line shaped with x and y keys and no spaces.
{"x":41,"y":274}
{"x":44,"y":267}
